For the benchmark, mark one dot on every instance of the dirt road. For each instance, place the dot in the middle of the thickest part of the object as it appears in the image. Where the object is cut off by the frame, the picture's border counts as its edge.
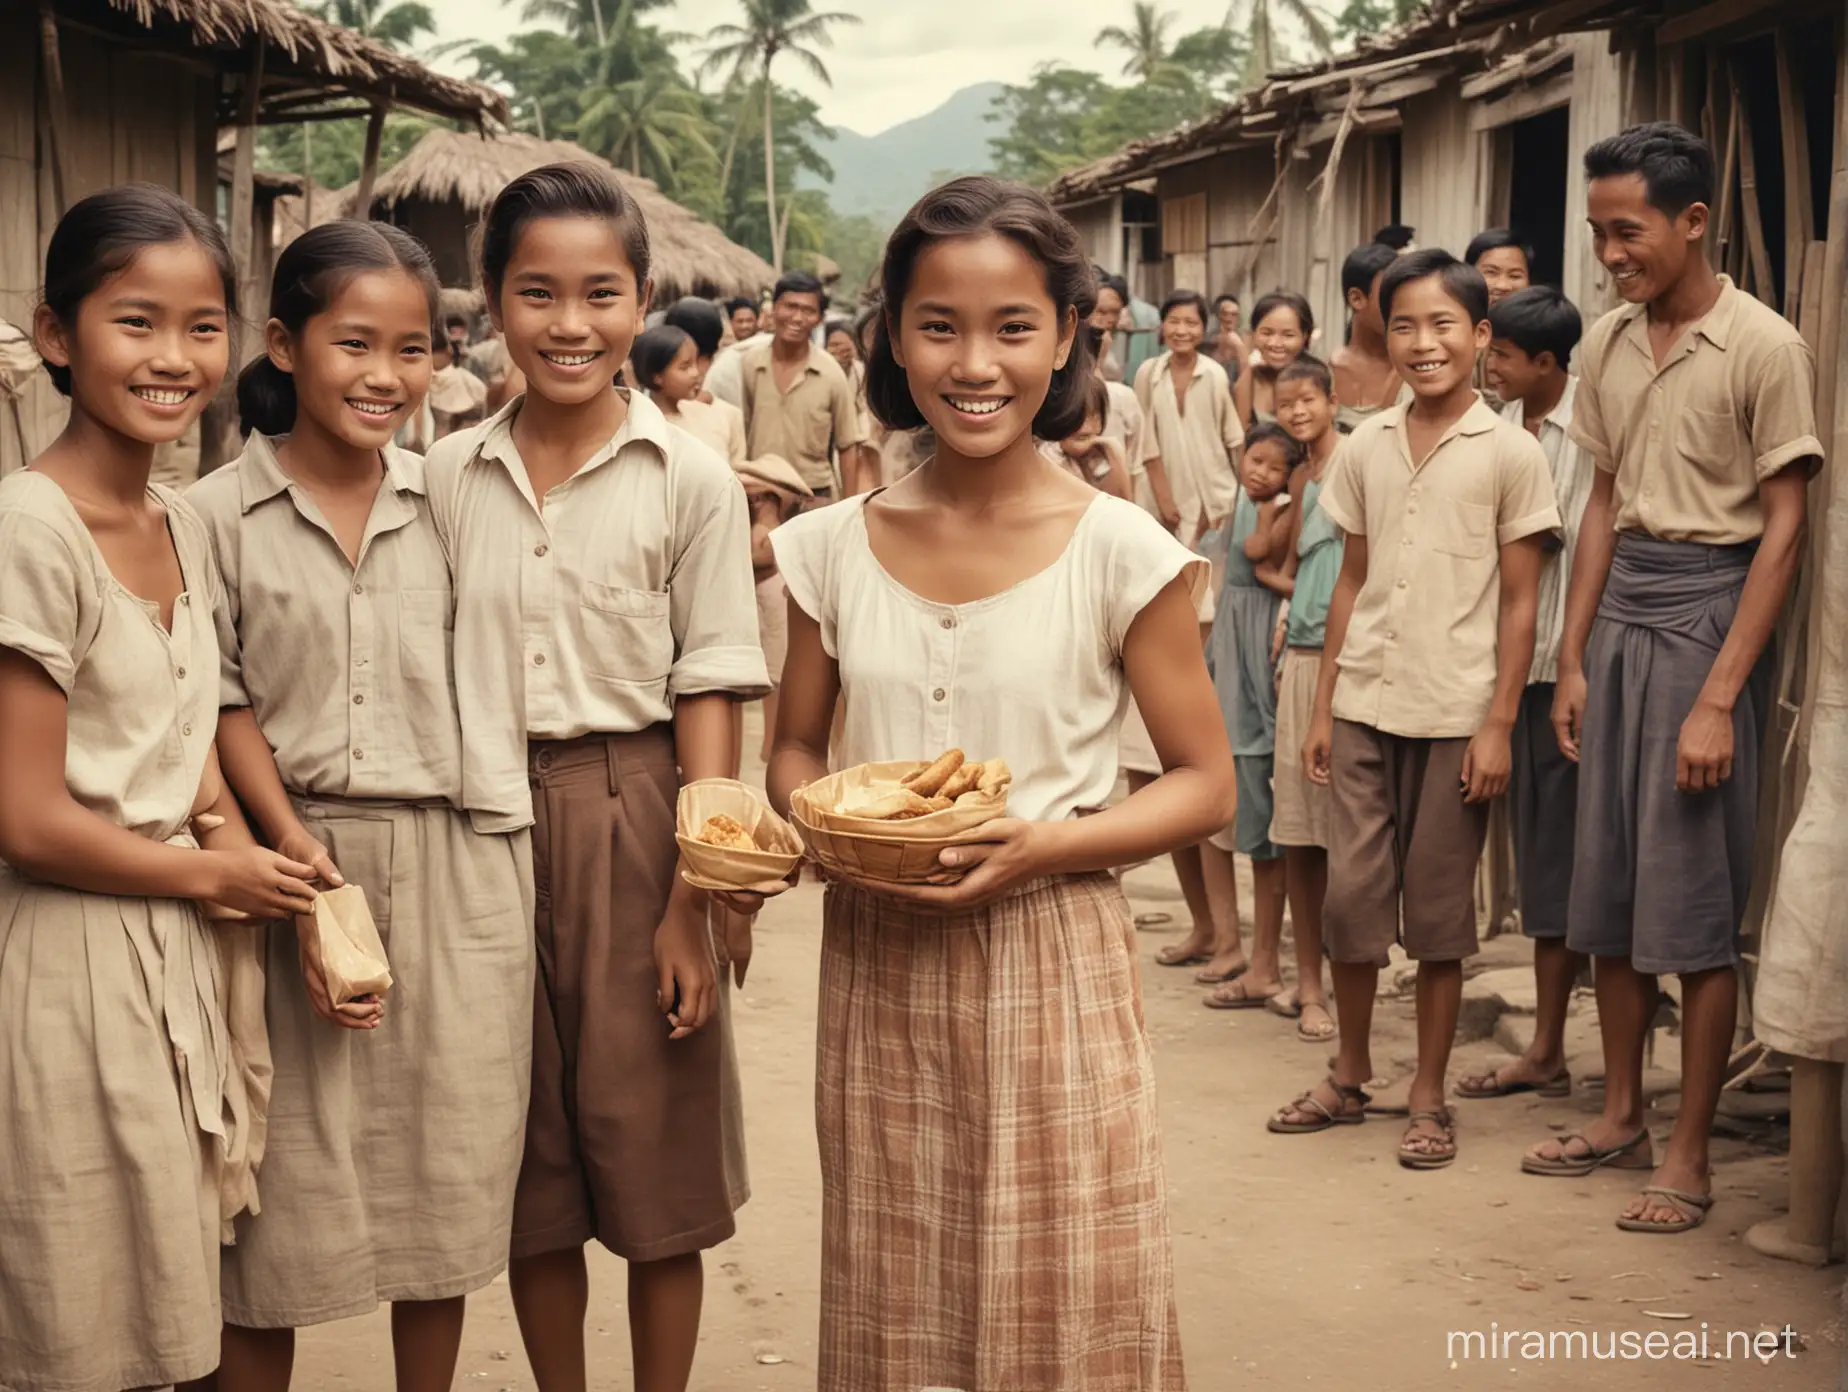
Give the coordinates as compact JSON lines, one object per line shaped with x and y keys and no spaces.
{"x":1302,"y":1261}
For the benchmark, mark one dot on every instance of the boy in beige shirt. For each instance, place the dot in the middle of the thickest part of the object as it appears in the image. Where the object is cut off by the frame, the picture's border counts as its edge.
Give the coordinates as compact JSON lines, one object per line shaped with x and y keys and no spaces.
{"x":1448,"y":511}
{"x":1696,"y":404}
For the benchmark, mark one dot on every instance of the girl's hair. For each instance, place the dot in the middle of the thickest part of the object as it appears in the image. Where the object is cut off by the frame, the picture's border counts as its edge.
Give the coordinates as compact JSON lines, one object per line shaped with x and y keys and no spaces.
{"x":1309,"y":368}
{"x":1285,"y":299}
{"x":1187,"y":297}
{"x":969,"y":207}
{"x":559,"y":191}
{"x":100,"y":235}
{"x":310,"y":275}
{"x":653,"y":351}
{"x":1096,"y":400}
{"x":1293,"y":449}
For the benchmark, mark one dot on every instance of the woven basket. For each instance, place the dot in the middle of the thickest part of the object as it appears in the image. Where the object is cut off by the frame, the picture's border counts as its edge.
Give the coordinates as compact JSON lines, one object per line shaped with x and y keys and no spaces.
{"x":871,"y":857}
{"x":719,"y":867}
{"x":820,"y":798}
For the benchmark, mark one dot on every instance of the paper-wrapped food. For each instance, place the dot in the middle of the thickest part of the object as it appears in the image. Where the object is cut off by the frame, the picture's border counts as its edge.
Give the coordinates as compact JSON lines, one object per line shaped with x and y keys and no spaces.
{"x":890,"y":821}
{"x":732,"y":840}
{"x":352,"y":956}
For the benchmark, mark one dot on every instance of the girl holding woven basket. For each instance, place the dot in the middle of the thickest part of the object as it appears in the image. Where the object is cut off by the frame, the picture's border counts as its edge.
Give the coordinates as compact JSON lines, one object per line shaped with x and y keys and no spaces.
{"x":994,"y":1213}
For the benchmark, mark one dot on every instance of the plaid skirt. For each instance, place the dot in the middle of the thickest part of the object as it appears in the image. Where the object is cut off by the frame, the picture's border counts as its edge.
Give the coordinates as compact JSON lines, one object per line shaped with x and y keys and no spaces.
{"x":994,"y":1212}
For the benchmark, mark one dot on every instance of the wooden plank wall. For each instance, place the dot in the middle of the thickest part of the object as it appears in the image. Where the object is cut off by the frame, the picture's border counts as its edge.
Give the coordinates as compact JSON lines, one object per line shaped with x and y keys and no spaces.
{"x":1596,"y":112}
{"x":1440,"y":180}
{"x":1100,"y":228}
{"x":141,"y":117}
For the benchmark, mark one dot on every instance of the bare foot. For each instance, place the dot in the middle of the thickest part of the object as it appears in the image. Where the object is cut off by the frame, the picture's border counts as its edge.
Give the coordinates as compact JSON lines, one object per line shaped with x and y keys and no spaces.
{"x":1197,"y":946}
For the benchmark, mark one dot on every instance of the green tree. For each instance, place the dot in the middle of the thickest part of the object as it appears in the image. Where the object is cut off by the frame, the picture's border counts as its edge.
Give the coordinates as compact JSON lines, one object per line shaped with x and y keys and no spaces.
{"x":591,"y":21}
{"x":1044,"y":123}
{"x":745,"y":217}
{"x":395,"y":25}
{"x":1265,"y":51}
{"x":336,"y":147}
{"x":772,"y":28}
{"x":1144,"y":39}
{"x":1365,"y":19}
{"x":1214,"y":57}
{"x":543,"y":73}
{"x":650,"y":124}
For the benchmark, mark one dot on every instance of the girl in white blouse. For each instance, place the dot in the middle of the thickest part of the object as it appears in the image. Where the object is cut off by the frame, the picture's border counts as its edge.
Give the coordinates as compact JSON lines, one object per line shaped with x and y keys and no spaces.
{"x":994,"y":1213}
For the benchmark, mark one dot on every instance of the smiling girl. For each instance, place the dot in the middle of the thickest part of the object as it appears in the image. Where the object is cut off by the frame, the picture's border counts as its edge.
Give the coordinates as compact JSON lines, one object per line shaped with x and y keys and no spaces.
{"x":993,"y":1212}
{"x":1192,"y":442}
{"x":1281,"y":326}
{"x":119,"y":1095}
{"x":392,"y":1156}
{"x":605,"y":599}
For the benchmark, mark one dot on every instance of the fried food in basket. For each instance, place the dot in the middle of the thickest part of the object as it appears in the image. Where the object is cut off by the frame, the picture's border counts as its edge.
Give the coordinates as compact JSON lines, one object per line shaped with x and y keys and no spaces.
{"x":729,"y":832}
{"x":934,"y":787}
{"x":929,"y":781}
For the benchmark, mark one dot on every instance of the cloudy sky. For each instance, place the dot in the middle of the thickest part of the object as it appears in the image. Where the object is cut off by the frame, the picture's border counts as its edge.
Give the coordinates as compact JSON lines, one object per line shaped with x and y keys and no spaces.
{"x":905,"y":56}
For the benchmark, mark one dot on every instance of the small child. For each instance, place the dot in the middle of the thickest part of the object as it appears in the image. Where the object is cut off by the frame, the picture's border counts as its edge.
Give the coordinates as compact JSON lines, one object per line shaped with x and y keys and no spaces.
{"x":1240,"y":656}
{"x":1447,"y":508}
{"x":1091,"y":454}
{"x":1535,"y":331}
{"x":1307,"y":407}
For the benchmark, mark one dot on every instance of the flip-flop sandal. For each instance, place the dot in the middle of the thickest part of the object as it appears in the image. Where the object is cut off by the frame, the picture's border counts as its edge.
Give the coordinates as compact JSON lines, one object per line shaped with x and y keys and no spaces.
{"x":1413,"y":1158}
{"x":1213,"y":978}
{"x":1244,"y":1000}
{"x":1486,"y":1085}
{"x":1286,"y":1004}
{"x":1316,"y":1033}
{"x":1620,"y":1157}
{"x":1153,"y":920}
{"x":1691,"y":1208}
{"x":1166,"y":957}
{"x":1326,"y":1119}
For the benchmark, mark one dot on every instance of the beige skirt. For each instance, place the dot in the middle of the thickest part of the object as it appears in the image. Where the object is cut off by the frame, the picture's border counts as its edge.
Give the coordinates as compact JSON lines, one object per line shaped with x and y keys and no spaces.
{"x":392,"y":1154}
{"x":114,"y":1066}
{"x":993,"y":1208}
{"x":1299,"y":815}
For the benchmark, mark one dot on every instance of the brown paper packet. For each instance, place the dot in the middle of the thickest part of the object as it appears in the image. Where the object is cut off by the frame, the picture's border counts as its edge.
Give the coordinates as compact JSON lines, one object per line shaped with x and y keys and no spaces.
{"x":350,"y":952}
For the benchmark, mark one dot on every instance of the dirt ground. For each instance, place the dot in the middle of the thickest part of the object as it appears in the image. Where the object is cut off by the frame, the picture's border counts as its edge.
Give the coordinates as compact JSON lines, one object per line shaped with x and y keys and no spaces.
{"x":1301,"y":1261}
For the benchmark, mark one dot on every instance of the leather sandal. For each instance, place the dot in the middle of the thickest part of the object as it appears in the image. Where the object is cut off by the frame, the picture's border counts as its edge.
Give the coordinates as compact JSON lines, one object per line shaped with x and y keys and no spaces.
{"x":1325,"y":1119}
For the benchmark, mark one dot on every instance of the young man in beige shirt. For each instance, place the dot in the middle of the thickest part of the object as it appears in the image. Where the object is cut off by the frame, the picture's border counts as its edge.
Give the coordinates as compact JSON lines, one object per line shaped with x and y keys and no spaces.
{"x":1448,"y":511}
{"x":797,"y":401}
{"x":1696,"y":403}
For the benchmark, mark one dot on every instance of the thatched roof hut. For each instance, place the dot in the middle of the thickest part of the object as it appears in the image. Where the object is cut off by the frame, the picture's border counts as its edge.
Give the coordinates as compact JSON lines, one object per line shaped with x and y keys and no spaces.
{"x":441,"y":189}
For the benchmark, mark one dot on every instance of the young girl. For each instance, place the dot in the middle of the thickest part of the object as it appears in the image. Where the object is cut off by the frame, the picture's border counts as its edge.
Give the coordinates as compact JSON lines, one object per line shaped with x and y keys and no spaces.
{"x":1245,"y":678}
{"x":667,"y":366}
{"x":1281,"y":326}
{"x":603,"y":595}
{"x":118,"y":1092}
{"x":1192,"y":439}
{"x":1090,"y":453}
{"x":392,"y":1159}
{"x":993,"y":1212}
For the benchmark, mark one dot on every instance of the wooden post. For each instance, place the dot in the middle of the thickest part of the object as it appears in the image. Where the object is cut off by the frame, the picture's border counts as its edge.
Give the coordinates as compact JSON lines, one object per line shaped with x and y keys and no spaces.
{"x":369,"y":163}
{"x":58,"y":121}
{"x":1799,"y":206}
{"x":244,"y":167}
{"x":1763,"y":282}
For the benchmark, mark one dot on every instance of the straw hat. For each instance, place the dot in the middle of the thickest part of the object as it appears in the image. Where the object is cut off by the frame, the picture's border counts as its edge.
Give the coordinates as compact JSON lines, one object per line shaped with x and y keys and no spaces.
{"x":776,"y":473}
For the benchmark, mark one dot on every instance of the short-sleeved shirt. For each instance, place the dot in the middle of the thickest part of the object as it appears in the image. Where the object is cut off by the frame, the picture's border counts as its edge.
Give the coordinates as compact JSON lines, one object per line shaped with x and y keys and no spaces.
{"x":345,"y":667}
{"x":591,"y":609}
{"x":1420,"y":655}
{"x":1033,"y":675}
{"x":1125,"y":423}
{"x":805,"y":425}
{"x":1199,"y":449}
{"x":1732,"y":404}
{"x":717,"y":424}
{"x":143,"y":700}
{"x":1572,"y":470}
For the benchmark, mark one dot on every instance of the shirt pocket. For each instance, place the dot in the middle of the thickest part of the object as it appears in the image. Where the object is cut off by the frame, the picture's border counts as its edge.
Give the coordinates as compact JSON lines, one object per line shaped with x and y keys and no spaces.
{"x":1458,"y":527}
{"x":1709,"y":440}
{"x":815,"y":433}
{"x":627,"y":635}
{"x":425,"y":621}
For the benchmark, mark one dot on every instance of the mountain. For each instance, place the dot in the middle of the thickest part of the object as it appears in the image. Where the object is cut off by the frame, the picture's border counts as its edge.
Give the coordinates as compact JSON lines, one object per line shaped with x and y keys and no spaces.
{"x":883,"y":175}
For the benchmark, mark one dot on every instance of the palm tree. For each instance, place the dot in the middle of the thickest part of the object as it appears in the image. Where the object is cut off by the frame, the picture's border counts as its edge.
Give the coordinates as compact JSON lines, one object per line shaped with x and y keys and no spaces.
{"x":773,"y":27}
{"x":654,"y":115}
{"x":1263,"y":52}
{"x":1145,"y":40}
{"x":394,"y":25}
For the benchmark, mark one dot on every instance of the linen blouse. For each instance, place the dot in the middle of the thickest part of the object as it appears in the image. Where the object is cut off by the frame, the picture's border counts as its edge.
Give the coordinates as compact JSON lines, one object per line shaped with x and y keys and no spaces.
{"x":143,"y":701}
{"x":1033,"y":675}
{"x":1198,"y":450}
{"x":346,"y":668}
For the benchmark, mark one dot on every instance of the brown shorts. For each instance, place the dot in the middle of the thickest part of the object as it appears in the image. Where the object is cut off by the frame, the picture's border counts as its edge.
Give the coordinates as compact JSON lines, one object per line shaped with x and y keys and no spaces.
{"x":1402,"y":848}
{"x":623,"y":1139}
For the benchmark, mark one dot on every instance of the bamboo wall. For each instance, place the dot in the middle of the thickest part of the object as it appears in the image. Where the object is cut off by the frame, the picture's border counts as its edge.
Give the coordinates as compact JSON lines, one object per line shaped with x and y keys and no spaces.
{"x":133,"y":115}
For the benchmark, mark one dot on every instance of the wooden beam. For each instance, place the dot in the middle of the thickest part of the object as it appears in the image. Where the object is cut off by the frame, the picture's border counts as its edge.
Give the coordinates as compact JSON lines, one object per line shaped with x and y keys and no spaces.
{"x":1720,"y":14}
{"x":57,"y":122}
{"x":369,"y":164}
{"x":1522,"y":103}
{"x":1809,"y":302}
{"x":1799,"y":205}
{"x":1764,"y":284}
{"x":1723,"y":238}
{"x":243,"y":169}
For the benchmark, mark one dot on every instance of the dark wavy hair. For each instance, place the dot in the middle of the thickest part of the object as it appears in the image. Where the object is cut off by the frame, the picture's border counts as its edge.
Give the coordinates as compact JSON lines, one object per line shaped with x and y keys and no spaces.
{"x":1676,"y":165}
{"x":700,"y":320}
{"x":1461,"y":281}
{"x":559,"y":191}
{"x":100,"y":235}
{"x":969,"y":207}
{"x":310,"y":274}
{"x":653,"y":351}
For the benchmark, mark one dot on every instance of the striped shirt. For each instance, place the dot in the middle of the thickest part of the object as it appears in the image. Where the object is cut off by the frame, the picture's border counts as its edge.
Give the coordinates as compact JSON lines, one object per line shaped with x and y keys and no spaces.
{"x":1573,"y":471}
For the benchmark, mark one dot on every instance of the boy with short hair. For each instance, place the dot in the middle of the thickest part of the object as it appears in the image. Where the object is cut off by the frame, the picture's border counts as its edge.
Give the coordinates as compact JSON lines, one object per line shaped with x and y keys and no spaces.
{"x":1364,"y":381}
{"x":1533,"y":333}
{"x":1447,"y":509}
{"x":1697,"y":404}
{"x":1506,"y":264}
